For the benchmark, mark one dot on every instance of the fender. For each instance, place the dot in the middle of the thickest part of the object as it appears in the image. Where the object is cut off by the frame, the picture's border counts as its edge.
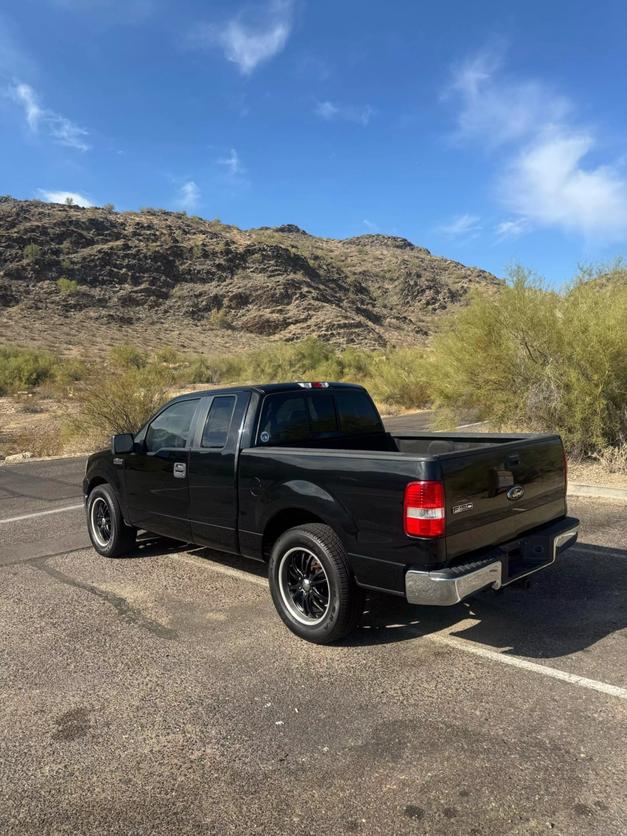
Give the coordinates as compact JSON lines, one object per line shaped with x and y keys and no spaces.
{"x":308,"y":498}
{"x":100,"y":468}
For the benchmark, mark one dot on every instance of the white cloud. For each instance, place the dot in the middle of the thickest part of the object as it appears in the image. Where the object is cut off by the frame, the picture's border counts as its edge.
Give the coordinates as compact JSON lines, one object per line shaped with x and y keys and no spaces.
{"x":232,"y":163}
{"x":500,"y":109}
{"x":62,"y":197}
{"x":461,"y":226}
{"x":542,"y":174}
{"x":249,"y":43}
{"x":548,"y":183}
{"x":511,"y":229}
{"x":189,"y":196}
{"x":349,"y":113}
{"x":62,"y":130}
{"x":25,"y":95}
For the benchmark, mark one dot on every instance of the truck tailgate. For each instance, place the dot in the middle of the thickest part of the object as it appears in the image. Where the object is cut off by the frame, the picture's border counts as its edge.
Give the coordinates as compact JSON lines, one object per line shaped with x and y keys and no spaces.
{"x":495,"y":494}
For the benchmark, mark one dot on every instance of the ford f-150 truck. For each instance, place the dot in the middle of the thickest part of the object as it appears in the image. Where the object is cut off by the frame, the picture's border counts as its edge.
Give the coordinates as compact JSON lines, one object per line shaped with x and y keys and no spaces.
{"x":305,"y":477}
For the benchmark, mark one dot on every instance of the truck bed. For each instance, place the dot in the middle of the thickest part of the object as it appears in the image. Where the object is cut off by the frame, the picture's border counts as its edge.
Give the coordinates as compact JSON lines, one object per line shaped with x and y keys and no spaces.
{"x":360,"y":482}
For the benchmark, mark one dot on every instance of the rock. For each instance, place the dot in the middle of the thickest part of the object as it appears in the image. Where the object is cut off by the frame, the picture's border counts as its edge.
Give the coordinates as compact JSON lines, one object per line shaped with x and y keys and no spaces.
{"x":17,"y":457}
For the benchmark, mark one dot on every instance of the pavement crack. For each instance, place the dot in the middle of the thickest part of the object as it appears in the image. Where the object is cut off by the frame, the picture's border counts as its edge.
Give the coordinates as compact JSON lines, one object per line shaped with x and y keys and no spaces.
{"x":126,"y":611}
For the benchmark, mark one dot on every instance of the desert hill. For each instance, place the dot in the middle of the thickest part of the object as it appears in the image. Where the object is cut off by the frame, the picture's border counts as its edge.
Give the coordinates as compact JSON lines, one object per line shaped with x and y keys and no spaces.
{"x":82,"y":279}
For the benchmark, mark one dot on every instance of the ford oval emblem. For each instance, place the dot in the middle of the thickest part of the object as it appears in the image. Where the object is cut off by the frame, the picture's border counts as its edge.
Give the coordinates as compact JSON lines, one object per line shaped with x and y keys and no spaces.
{"x":515,"y":493}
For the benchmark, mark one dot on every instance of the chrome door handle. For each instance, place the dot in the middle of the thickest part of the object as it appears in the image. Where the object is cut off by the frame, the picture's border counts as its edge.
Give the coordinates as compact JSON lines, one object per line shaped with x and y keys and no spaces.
{"x":180,"y":470}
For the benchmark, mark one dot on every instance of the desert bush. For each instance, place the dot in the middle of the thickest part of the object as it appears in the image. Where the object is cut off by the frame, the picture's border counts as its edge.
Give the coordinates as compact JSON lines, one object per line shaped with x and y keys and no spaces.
{"x":197,"y":248}
{"x":67,"y":286}
{"x":613,"y":459}
{"x":168,"y":356}
{"x":31,"y":252}
{"x":118,"y":401}
{"x":219,"y":319}
{"x":109,"y":207}
{"x":400,"y":378}
{"x":23,"y":368}
{"x":535,"y":359}
{"x":128,"y":357}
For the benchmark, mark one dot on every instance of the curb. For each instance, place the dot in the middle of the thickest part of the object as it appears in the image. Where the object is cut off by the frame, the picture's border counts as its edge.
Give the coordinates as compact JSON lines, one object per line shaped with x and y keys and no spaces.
{"x":595,"y":491}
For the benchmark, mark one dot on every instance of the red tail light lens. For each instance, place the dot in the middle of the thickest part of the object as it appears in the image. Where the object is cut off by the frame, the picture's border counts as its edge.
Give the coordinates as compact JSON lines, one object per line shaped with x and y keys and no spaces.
{"x":424,"y":511}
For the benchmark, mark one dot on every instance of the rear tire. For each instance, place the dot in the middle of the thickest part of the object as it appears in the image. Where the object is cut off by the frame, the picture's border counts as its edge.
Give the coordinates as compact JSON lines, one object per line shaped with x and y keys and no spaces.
{"x":312,"y":586}
{"x":109,"y":534}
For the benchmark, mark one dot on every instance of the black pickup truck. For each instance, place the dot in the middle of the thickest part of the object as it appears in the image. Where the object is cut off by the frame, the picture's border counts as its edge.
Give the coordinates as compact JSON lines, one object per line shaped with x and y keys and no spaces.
{"x":304,"y":476}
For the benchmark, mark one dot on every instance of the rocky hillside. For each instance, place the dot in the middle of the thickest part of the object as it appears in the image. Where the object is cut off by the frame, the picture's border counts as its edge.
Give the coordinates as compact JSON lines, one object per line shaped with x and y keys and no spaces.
{"x":74,"y":278}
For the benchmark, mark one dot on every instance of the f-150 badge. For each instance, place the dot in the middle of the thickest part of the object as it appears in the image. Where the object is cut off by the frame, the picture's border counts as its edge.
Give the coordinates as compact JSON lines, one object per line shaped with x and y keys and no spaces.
{"x":463,"y":506}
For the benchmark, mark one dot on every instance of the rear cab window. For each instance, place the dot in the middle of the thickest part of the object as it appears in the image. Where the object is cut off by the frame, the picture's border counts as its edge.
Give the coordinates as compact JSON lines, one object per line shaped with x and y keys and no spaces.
{"x":298,"y":417}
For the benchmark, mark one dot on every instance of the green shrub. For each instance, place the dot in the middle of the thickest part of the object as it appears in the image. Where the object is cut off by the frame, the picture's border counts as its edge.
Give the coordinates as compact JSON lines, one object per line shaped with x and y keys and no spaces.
{"x":22,"y":368}
{"x":128,"y":357}
{"x":118,"y":401}
{"x":197,"y":248}
{"x":67,"y":286}
{"x":534,"y":359}
{"x":219,"y":318}
{"x":31,"y":252}
{"x":400,"y":378}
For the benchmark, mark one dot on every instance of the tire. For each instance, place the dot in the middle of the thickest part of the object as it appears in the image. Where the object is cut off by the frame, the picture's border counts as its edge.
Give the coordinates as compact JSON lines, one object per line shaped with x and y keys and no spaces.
{"x":102,"y":505}
{"x":312,"y":586}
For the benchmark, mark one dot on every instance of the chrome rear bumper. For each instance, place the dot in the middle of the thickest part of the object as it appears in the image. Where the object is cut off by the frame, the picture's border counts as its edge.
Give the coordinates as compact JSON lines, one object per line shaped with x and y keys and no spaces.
{"x":450,"y":586}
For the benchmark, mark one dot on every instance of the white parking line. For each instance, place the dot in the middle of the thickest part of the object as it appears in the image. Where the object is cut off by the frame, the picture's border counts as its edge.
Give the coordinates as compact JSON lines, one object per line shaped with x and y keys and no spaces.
{"x":444,"y":637}
{"x":41,"y":513}
{"x":517,"y":662}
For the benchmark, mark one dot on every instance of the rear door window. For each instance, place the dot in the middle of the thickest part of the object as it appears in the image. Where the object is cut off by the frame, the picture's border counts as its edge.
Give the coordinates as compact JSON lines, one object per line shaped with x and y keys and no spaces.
{"x":218,"y":421}
{"x":356,"y":412}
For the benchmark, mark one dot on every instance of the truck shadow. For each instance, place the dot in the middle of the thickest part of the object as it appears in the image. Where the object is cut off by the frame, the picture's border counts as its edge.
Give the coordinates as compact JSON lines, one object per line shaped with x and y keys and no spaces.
{"x":568,"y":608}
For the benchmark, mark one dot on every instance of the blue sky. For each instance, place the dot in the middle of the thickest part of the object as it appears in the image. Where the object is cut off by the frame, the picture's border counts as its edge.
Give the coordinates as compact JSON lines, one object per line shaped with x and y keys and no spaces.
{"x":490,"y":132}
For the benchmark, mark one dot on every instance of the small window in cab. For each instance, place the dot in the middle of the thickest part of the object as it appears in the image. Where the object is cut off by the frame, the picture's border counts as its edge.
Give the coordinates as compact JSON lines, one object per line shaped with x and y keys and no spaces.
{"x":218,"y":421}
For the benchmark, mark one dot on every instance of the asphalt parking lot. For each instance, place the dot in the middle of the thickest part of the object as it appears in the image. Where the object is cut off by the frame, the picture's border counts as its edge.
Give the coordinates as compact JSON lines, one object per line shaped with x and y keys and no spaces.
{"x":162,"y":694}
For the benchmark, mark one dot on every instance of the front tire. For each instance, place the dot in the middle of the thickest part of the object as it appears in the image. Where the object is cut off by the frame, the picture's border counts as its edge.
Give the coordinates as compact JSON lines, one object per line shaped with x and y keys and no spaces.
{"x":109,"y":534}
{"x":311,"y":584}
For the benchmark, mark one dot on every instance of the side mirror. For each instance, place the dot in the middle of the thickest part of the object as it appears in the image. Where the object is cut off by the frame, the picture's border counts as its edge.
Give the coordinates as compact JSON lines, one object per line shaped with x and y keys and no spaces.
{"x":122,"y":443}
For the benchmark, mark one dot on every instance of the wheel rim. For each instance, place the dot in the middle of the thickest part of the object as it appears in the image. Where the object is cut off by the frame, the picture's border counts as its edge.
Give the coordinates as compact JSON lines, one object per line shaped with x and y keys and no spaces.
{"x":304,"y":585}
{"x":101,"y":524}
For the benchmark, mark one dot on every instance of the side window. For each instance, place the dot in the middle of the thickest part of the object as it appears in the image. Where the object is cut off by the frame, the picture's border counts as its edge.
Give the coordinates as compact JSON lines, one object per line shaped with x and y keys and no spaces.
{"x":284,"y":419}
{"x":218,"y":421}
{"x":171,"y":427}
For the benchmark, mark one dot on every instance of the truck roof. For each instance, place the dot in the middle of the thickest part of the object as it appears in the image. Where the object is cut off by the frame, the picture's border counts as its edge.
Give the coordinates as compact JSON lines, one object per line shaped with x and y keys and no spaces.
{"x":268,"y":388}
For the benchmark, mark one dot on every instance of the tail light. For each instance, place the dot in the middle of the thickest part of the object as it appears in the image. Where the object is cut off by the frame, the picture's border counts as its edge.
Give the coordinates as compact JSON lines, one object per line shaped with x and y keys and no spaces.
{"x":424,"y":509}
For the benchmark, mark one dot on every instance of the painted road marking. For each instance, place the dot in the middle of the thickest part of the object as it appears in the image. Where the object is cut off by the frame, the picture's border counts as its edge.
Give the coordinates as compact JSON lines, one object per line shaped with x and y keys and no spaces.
{"x":466,"y":646}
{"x":516,"y":662}
{"x":42,"y":513}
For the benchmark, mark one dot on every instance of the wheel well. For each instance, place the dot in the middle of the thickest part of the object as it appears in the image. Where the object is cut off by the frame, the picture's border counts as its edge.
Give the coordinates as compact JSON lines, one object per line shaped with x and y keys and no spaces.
{"x":289,"y":518}
{"x":97,"y":480}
